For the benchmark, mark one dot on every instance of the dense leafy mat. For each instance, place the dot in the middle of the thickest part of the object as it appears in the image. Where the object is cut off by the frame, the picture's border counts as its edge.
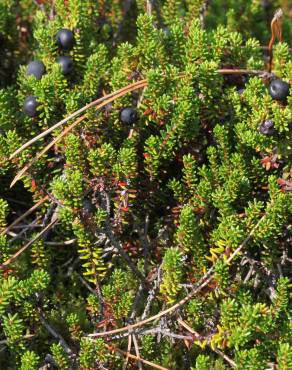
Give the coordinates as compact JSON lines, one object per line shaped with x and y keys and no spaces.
{"x":151,"y":229}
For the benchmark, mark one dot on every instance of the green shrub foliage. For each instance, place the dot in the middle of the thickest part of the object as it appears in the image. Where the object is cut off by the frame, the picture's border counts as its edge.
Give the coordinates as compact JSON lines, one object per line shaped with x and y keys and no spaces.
{"x":143,"y":211}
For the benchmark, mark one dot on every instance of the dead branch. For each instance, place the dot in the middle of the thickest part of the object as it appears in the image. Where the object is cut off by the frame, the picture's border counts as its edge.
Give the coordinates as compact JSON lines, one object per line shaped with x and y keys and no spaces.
{"x":22,"y":217}
{"x":115,"y":349}
{"x":125,"y":89}
{"x":204,"y":281}
{"x":10,"y":260}
{"x":128,"y":351}
{"x":116,"y":243}
{"x":276,"y":29}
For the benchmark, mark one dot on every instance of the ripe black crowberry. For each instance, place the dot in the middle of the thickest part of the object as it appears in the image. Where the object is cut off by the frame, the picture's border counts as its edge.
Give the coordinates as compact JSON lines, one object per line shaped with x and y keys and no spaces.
{"x":66,"y":64}
{"x":267,"y":128}
{"x":128,"y":115}
{"x":88,"y":206}
{"x":279,"y":89}
{"x":65,"y":39}
{"x":36,"y":68}
{"x":30,"y":106}
{"x":166,"y":31}
{"x":240,"y":91}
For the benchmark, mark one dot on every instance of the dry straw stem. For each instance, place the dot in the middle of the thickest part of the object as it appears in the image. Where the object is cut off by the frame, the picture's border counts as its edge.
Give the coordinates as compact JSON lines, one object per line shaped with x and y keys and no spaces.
{"x":27,"y":336}
{"x":205,"y":280}
{"x":74,"y":114}
{"x":5,"y":231}
{"x":105,"y":100}
{"x":40,"y":154}
{"x":276,"y":28}
{"x":116,"y":94}
{"x":10,"y":260}
{"x":128,"y":351}
{"x":100,"y":103}
{"x":129,"y":355}
{"x":137,"y":352}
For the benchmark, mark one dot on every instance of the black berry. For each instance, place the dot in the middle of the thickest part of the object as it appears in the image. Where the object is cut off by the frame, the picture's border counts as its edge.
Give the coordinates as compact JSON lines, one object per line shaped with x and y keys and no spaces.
{"x":240,"y":91}
{"x":279,"y":89}
{"x":166,"y":31}
{"x":128,"y":116}
{"x":36,"y":68}
{"x":65,"y":39}
{"x":267,"y":128}
{"x":66,"y":64}
{"x":88,"y":206}
{"x":30,"y":106}
{"x":266,"y":5}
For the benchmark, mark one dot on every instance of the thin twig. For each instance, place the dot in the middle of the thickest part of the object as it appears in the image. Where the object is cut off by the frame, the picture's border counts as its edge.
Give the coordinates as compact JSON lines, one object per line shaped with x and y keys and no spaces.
{"x":31,"y":225}
{"x":106,"y":100}
{"x":128,"y":351}
{"x":61,"y":244}
{"x":151,"y":294}
{"x":203,"y":11}
{"x":192,"y":331}
{"x":117,"y":244}
{"x":155,"y":330}
{"x":267,"y":48}
{"x":149,"y":7}
{"x":86,"y":284}
{"x":249,"y":274}
{"x":118,"y":93}
{"x":16,"y":201}
{"x":96,"y":292}
{"x":166,"y":333}
{"x":204,"y":281}
{"x":55,"y":334}
{"x":137,"y":351}
{"x":28,"y":336}
{"x":155,"y":6}
{"x":146,"y":243}
{"x":115,"y":349}
{"x":74,"y":114}
{"x":42,"y":152}
{"x":34,"y":207}
{"x":143,"y":236}
{"x":276,"y":29}
{"x":225,"y":357}
{"x":127,"y":7}
{"x":26,"y":246}
{"x":260,"y":266}
{"x":229,"y":71}
{"x":136,"y":301}
{"x":123,"y":254}
{"x":24,"y":230}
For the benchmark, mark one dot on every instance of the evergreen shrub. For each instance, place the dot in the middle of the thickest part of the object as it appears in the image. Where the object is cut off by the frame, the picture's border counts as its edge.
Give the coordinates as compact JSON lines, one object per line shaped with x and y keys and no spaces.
{"x":149,"y":225}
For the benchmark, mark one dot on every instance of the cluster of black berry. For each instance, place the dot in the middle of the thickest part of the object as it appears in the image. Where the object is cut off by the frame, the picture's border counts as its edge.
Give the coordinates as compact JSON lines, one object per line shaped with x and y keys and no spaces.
{"x":279,"y":90}
{"x":65,"y":41}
